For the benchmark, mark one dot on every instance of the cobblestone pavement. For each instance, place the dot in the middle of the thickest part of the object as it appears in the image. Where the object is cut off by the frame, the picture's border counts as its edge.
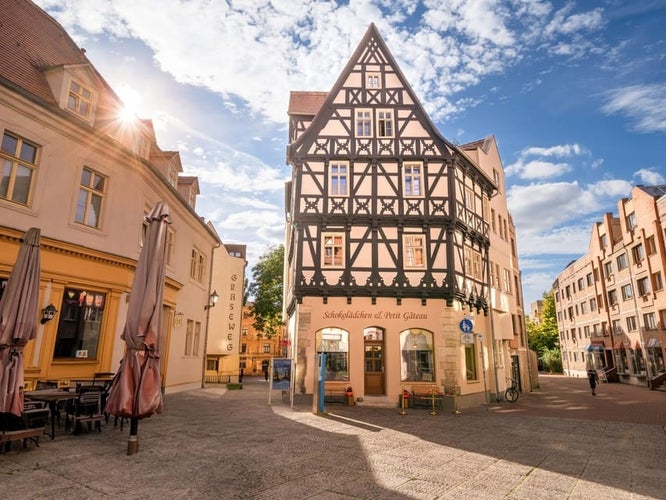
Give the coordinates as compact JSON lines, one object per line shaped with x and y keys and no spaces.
{"x":554,"y":443}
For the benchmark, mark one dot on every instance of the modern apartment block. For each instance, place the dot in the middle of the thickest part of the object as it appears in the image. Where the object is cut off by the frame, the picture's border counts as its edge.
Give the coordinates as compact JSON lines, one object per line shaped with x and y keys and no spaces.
{"x":611,"y":303}
{"x":86,"y":179}
{"x":400,"y":256}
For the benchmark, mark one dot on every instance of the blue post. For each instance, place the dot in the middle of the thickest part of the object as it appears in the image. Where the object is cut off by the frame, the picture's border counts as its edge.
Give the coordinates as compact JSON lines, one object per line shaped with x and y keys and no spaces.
{"x":322,"y":382}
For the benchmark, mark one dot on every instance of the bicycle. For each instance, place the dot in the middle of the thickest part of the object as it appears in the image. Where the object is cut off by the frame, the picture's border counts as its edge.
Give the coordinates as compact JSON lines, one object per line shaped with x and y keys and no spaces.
{"x":511,"y":394}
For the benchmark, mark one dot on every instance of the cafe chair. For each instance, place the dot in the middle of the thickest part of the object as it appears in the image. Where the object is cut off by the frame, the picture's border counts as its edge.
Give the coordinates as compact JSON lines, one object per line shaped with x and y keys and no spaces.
{"x":85,"y":408}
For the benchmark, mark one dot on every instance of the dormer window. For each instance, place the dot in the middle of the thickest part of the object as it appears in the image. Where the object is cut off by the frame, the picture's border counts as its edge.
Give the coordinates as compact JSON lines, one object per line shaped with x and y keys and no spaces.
{"x":79,"y":99}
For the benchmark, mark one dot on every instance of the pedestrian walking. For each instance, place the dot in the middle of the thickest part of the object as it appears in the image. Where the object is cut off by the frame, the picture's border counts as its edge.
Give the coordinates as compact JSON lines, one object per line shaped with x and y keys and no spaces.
{"x":594,"y":379}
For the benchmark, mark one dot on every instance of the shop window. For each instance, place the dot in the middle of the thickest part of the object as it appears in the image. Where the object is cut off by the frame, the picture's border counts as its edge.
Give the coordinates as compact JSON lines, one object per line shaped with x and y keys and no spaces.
{"x":334,"y":342}
{"x":471,"y":371}
{"x":417,"y":356}
{"x":80,"y":323}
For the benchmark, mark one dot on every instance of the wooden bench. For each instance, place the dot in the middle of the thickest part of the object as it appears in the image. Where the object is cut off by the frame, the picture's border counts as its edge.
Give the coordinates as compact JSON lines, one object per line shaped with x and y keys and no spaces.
{"x":423,"y":400}
{"x":334,"y":395}
{"x":7,"y":437}
{"x":30,"y":426}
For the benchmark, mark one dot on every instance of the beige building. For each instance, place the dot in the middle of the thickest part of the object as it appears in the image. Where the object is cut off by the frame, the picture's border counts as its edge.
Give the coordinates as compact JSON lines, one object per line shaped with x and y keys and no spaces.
{"x":400,"y":258}
{"x":226,"y":316}
{"x":610,"y":303}
{"x":86,"y":178}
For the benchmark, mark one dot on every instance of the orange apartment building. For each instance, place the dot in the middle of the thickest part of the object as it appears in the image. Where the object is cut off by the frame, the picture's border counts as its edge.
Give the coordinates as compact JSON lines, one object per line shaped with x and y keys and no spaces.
{"x":256,"y":349}
{"x":611,"y":303}
{"x":400,"y":255}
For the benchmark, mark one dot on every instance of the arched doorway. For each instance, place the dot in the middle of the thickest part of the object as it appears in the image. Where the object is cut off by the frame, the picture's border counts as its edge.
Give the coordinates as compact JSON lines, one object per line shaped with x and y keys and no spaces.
{"x":373,"y":340}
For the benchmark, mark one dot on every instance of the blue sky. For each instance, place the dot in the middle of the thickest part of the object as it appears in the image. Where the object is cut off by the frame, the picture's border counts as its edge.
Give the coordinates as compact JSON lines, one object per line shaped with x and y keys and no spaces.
{"x":574,"y":92}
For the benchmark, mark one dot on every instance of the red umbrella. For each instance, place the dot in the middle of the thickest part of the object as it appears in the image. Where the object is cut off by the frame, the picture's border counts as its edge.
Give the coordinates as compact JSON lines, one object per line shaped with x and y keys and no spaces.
{"x":18,"y":320}
{"x":136,"y":389}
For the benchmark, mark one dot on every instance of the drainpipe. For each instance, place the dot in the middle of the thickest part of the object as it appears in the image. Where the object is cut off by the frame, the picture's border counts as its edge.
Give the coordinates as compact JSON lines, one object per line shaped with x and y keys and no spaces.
{"x":205,"y":345}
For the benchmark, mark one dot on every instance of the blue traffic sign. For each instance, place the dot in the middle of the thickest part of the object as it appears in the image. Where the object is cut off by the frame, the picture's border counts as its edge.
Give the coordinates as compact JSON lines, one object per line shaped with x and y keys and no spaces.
{"x":466,"y":325}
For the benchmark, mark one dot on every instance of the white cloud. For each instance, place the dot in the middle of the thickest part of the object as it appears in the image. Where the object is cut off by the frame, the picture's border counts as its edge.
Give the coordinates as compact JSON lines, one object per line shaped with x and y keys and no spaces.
{"x":544,"y":169}
{"x":644,"y":104}
{"x":234,"y":48}
{"x":650,"y":177}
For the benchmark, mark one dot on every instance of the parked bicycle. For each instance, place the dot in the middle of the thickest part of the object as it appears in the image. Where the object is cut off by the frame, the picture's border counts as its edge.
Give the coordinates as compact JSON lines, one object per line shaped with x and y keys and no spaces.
{"x":511,"y":394}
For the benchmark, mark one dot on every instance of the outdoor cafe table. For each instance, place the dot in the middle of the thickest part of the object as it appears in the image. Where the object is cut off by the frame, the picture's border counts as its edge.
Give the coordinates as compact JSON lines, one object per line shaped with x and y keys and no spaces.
{"x":52,"y":397}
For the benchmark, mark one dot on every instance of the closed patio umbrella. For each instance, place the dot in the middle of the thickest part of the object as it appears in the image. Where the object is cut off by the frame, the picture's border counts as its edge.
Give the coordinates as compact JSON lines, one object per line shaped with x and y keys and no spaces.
{"x":18,"y":320}
{"x":136,"y":389}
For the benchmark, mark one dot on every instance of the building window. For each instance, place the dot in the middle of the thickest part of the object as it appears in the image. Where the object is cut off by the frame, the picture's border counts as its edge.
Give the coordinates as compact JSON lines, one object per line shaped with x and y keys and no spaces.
{"x":243,"y":348}
{"x":267,"y":348}
{"x":91,"y":195}
{"x":197,"y":265}
{"x":593,"y":304}
{"x":657,"y":283}
{"x":650,"y":245}
{"x":627,"y":292}
{"x":334,"y":342}
{"x":372,"y":81}
{"x":79,"y":326}
{"x":621,"y":261}
{"x":212,"y":365}
{"x":414,"y":245}
{"x":473,"y":264}
{"x":470,"y":362}
{"x":590,"y":281}
{"x":643,"y":286}
{"x":650,"y":322}
{"x":603,"y":240}
{"x":333,"y":250}
{"x":631,"y":323}
{"x":417,"y":364}
{"x":612,"y":297}
{"x":19,"y":163}
{"x":172,"y":176}
{"x":608,"y":269}
{"x":662,"y":318}
{"x":189,"y":332}
{"x":363,"y":123}
{"x":412,"y":179}
{"x":384,"y":123}
{"x":583,"y":307}
{"x":617,"y":327}
{"x":338,"y":179}
{"x":196,"y":338}
{"x":79,"y":99}
{"x":631,"y":221}
{"x":638,"y":253}
{"x":507,"y":281}
{"x":170,"y":245}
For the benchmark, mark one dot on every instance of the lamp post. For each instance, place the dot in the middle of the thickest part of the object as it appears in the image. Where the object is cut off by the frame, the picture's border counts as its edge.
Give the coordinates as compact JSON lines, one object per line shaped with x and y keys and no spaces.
{"x":212,"y":300}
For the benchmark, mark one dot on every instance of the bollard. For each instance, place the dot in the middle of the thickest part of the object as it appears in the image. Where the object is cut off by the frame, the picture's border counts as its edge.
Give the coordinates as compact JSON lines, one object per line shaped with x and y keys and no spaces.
{"x":403,"y":406}
{"x":432,"y":397}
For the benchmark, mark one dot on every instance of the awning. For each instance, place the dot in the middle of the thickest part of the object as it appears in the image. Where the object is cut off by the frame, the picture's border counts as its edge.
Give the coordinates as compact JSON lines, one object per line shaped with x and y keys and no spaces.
{"x":652,"y":343}
{"x":619,"y":345}
{"x":594,"y":348}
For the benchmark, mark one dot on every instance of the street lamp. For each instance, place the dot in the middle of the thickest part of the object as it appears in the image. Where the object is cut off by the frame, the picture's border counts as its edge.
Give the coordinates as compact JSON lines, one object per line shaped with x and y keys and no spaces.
{"x":212,"y":300}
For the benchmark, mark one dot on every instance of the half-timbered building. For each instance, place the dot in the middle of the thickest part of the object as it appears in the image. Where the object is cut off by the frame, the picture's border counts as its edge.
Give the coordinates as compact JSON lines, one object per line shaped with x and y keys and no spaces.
{"x":388,"y":243}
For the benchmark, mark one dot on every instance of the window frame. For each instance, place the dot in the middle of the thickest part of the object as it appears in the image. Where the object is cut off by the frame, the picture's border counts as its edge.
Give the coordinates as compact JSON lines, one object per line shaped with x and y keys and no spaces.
{"x":336,"y":348}
{"x":91,"y":193}
{"x":17,"y":162}
{"x":412,"y":179}
{"x":410,"y":246}
{"x":80,"y":99}
{"x":336,"y":261}
{"x":373,"y":80}
{"x":335,"y":176}
{"x":385,"y":125}
{"x":363,"y":126}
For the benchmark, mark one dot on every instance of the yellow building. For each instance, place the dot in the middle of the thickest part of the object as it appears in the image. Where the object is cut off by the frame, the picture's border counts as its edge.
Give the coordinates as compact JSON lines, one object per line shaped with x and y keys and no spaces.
{"x":256,"y":349}
{"x":86,"y":178}
{"x":400,"y":255}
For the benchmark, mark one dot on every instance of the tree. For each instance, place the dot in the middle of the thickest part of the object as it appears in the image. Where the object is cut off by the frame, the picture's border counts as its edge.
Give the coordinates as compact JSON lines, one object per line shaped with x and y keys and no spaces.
{"x":544,"y":338}
{"x":266,"y":289}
